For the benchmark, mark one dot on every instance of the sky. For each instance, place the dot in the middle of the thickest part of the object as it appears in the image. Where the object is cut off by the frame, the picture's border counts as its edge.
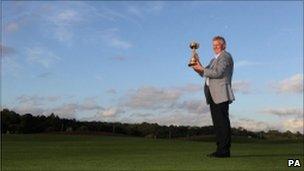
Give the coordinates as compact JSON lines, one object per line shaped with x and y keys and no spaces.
{"x":126,"y":61}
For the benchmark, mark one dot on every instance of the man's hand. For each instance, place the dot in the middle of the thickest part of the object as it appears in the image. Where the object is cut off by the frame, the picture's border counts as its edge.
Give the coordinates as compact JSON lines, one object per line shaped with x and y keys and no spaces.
{"x":198,"y":68}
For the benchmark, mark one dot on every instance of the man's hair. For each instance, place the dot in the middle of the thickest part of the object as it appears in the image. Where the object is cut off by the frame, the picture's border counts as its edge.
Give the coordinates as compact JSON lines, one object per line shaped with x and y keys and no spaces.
{"x":221,"y":39}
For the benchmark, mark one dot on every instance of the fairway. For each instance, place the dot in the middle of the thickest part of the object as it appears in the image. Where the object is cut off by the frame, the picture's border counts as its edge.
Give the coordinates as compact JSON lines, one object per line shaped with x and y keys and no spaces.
{"x":96,"y":152}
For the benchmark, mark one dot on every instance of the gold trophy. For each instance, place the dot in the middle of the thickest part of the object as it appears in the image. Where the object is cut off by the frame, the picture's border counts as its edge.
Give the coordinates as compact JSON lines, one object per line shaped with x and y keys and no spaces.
{"x":194,"y":58}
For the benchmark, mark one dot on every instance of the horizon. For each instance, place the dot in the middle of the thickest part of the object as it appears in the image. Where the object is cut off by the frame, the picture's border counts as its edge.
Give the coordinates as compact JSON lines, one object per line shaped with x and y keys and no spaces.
{"x":139,"y":123}
{"x":127,"y":61}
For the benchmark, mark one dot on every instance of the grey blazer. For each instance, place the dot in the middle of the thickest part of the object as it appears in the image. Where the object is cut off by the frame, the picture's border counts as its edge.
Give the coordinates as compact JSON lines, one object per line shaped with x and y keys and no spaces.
{"x":220,"y":72}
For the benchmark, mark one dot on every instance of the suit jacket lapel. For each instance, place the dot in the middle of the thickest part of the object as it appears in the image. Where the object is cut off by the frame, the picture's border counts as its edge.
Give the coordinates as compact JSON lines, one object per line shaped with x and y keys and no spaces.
{"x":213,"y":63}
{"x":215,"y":60}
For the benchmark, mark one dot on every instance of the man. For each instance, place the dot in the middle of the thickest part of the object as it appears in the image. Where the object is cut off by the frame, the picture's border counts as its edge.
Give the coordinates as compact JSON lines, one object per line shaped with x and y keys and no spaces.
{"x":219,"y":94}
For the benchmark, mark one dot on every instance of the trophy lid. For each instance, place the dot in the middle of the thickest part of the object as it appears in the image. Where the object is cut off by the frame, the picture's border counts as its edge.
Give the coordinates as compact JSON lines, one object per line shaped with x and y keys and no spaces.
{"x":194,"y":45}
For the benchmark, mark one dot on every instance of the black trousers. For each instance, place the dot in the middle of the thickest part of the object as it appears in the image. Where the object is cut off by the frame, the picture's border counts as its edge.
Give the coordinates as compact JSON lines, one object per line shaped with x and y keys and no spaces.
{"x":221,"y":123}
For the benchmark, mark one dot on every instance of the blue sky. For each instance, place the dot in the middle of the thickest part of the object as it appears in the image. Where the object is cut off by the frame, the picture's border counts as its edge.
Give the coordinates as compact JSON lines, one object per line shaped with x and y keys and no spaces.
{"x":127,"y":61}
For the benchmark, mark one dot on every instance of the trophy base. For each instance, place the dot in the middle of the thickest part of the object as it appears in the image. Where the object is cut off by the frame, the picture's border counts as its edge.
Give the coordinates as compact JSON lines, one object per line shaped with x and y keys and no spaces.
{"x":192,"y":64}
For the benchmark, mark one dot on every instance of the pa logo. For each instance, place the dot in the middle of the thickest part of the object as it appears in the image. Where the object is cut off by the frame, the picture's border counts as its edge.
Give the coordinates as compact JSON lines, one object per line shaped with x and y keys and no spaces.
{"x":294,"y":163}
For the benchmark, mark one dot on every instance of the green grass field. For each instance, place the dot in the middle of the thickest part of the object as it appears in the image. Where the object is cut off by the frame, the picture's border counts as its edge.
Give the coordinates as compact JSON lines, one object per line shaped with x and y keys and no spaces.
{"x":95,"y":152}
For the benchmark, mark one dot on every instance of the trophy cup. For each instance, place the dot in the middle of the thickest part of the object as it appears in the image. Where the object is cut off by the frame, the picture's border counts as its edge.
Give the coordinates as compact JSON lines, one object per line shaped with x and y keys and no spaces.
{"x":194,"y":58}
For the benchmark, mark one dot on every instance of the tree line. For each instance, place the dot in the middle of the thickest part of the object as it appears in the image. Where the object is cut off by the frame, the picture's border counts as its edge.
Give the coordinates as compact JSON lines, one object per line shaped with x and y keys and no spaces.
{"x":14,"y":123}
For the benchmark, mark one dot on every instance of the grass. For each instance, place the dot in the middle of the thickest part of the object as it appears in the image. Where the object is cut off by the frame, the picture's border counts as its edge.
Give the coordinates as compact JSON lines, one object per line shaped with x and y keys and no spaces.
{"x":95,"y":152}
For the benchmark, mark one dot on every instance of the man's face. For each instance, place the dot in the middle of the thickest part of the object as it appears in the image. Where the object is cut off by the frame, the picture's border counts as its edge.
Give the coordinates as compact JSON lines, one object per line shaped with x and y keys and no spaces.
{"x":217,"y":46}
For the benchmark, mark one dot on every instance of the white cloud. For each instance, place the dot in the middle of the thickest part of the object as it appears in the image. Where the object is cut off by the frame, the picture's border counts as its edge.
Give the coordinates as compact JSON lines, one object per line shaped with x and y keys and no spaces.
{"x":164,"y":106}
{"x":149,"y":97}
{"x":109,"y":114}
{"x":70,"y":110}
{"x":135,"y":10}
{"x":244,"y":63}
{"x":176,"y":118}
{"x":110,"y":37}
{"x":241,"y":86}
{"x":251,"y":124}
{"x":63,"y":20}
{"x":33,"y":104}
{"x":119,"y":43}
{"x":111,"y":15}
{"x":90,"y":104}
{"x":111,"y":111}
{"x":66,"y":17}
{"x":36,"y":100}
{"x":64,"y":111}
{"x":41,"y":56}
{"x":294,"y":125}
{"x":63,"y":23}
{"x":294,"y":84}
{"x":140,"y":115}
{"x":181,"y":119}
{"x":63,"y":34}
{"x":193,"y":106}
{"x":143,"y":9}
{"x":38,"y":105}
{"x":283,"y":111}
{"x":189,"y":88}
{"x":155,"y":6}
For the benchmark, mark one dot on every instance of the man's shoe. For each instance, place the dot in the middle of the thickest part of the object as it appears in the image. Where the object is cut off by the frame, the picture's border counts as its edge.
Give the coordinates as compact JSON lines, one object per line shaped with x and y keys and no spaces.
{"x":223,"y":155}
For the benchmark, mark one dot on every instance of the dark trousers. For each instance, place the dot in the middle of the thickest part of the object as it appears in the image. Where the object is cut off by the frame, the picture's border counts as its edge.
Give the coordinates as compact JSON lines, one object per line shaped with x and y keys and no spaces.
{"x":221,"y":123}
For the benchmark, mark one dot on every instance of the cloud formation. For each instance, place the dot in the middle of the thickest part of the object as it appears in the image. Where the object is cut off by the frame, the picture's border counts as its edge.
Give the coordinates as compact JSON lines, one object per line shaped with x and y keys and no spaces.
{"x":294,"y":84}
{"x":284,"y":111}
{"x":143,"y":9}
{"x":244,"y":63}
{"x":198,"y":107}
{"x":41,"y":56}
{"x":63,"y":22}
{"x":149,"y":97}
{"x":38,"y":105}
{"x":241,"y":86}
{"x":251,"y":124}
{"x":176,"y":118}
{"x":111,"y":38}
{"x":291,"y":124}
{"x":294,"y":125}
{"x":111,"y":112}
{"x":189,"y":88}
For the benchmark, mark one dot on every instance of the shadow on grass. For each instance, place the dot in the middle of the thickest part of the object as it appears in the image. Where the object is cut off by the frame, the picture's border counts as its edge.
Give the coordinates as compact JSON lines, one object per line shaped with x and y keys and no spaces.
{"x":267,"y":155}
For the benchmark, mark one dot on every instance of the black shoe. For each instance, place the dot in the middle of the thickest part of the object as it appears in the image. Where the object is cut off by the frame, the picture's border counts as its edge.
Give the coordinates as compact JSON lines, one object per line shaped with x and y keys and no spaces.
{"x":223,"y":155}
{"x":219,"y":155}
